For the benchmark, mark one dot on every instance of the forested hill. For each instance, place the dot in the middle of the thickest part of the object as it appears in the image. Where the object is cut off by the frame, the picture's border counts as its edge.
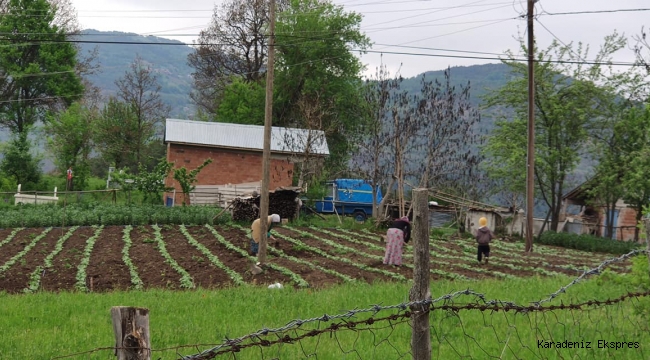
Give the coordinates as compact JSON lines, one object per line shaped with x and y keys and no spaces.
{"x":482,"y":79}
{"x":168,"y":59}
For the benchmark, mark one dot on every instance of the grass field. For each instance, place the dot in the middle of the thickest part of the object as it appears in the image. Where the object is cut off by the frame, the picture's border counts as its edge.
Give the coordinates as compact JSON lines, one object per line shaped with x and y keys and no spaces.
{"x":47,"y":325}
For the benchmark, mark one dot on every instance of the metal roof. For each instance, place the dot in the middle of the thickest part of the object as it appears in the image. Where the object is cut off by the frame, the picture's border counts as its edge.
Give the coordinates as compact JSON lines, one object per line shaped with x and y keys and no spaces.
{"x":249,"y":137}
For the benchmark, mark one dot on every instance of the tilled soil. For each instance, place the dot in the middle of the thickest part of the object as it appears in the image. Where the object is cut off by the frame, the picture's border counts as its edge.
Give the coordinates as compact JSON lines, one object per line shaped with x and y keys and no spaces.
{"x":212,"y":263}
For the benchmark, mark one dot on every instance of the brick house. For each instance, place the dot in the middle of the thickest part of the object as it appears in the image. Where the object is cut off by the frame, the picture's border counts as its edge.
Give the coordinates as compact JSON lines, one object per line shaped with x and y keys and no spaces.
{"x":236,"y":151}
{"x":581,"y":215}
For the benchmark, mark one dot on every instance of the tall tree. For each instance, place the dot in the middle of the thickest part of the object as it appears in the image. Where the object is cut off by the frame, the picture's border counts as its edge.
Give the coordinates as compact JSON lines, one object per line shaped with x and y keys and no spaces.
{"x":70,"y":140}
{"x":567,"y":100}
{"x":315,"y":64}
{"x":37,"y":65}
{"x":140,"y":91}
{"x":233,"y":46}
{"x":370,"y":136}
{"x":116,"y":133}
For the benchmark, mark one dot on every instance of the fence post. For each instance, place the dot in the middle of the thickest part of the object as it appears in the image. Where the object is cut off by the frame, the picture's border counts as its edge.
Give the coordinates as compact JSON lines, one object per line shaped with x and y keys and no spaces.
{"x":647,"y":240}
{"x":131,"y":328}
{"x":420,"y":336}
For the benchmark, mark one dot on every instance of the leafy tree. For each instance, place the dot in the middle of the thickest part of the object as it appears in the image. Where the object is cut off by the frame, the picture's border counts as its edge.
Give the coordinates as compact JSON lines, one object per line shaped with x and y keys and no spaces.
{"x":19,"y":163}
{"x":242,"y":103}
{"x":152,"y":184}
{"x":634,"y":131}
{"x":567,"y":100}
{"x":70,"y":140}
{"x":116,"y":133}
{"x":315,"y":69}
{"x":139,"y":89}
{"x":187,"y":179}
{"x":26,"y":95}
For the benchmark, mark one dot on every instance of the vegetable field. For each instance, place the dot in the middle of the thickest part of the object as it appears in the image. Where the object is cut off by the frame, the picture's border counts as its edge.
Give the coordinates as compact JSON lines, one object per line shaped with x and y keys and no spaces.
{"x":105,"y":258}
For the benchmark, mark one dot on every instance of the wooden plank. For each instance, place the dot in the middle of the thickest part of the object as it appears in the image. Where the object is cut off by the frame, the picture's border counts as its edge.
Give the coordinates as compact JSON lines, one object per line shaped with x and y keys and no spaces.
{"x":131,"y":329}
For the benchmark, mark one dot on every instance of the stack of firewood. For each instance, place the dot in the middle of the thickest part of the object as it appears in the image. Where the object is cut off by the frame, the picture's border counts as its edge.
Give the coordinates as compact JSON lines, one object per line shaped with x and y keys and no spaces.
{"x":281,"y":202}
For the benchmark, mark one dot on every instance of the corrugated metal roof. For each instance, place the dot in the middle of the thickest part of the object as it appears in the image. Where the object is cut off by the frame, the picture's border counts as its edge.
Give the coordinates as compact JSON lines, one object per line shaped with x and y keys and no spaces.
{"x":238,"y":136}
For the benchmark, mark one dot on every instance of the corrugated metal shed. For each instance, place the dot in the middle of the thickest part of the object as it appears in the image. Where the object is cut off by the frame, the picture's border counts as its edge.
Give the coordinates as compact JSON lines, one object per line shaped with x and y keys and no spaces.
{"x":249,"y":137}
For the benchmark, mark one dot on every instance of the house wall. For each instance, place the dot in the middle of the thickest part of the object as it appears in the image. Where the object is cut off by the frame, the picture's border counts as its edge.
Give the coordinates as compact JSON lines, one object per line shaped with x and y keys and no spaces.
{"x":473,"y":216}
{"x":625,"y":225}
{"x":227,"y":167}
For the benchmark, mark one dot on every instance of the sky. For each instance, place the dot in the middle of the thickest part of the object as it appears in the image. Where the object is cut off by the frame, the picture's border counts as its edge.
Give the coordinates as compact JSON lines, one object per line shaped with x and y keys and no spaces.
{"x":409,"y":36}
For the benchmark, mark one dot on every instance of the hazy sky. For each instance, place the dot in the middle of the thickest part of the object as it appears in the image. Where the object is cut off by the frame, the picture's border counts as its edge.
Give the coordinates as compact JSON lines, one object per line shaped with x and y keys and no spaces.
{"x":469,"y":27}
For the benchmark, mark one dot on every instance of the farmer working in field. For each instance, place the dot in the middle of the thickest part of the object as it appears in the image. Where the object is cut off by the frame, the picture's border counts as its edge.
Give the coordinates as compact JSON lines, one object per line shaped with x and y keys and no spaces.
{"x":483,"y":236}
{"x":257,"y":234}
{"x":397,"y":235}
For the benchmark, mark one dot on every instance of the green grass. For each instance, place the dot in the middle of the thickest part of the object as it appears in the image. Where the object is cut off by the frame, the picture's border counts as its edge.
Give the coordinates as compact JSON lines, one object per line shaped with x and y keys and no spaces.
{"x":46,"y":325}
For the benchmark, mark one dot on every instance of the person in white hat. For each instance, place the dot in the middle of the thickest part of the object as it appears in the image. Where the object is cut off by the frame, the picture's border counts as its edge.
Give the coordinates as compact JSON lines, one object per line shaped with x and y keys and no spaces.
{"x":272,"y":220}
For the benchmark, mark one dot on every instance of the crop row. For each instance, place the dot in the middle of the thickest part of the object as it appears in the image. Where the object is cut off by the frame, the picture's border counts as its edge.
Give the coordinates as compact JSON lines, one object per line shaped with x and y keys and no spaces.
{"x":297,"y":279}
{"x":10,"y":236}
{"x":282,"y":254}
{"x":22,"y":253}
{"x":433,"y":254}
{"x":85,"y":260}
{"x":186,"y":280}
{"x":37,"y":274}
{"x":104,"y":214}
{"x":133,"y":270}
{"x":236,"y":278}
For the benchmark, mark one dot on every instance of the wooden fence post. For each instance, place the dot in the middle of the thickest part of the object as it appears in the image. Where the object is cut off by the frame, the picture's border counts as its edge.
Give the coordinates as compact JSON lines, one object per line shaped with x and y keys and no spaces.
{"x":131,"y":328}
{"x":647,"y":240}
{"x":420,"y":336}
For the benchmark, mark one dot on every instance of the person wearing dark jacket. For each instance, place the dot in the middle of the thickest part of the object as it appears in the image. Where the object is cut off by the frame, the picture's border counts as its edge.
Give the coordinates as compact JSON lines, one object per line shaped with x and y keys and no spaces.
{"x":397,"y":235}
{"x":483,"y":237}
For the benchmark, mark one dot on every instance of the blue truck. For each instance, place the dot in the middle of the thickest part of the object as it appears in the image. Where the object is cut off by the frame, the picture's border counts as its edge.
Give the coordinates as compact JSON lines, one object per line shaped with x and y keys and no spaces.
{"x":348,"y":197}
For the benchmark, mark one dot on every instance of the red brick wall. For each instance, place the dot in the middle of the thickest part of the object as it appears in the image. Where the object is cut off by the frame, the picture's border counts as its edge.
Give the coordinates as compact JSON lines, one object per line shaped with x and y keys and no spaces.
{"x":227,"y":167}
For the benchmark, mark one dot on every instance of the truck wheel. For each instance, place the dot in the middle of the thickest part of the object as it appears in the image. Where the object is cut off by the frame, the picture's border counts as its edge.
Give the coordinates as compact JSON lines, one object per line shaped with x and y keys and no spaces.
{"x":359,"y":216}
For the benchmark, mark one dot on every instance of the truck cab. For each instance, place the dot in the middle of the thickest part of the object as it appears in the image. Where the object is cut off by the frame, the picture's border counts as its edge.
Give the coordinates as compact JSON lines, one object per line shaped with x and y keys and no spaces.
{"x":348,"y":197}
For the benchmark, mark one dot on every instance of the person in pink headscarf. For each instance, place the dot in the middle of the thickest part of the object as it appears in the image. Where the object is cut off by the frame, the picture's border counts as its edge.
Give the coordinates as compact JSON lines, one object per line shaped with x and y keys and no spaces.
{"x":397,"y":235}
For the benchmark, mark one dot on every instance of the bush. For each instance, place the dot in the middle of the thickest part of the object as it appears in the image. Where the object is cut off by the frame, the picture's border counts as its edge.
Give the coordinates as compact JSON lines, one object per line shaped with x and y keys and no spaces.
{"x":587,"y":242}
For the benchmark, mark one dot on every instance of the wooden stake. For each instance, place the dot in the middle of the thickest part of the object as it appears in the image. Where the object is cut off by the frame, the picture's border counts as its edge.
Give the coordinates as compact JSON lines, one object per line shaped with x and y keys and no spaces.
{"x":420,"y":336}
{"x":131,"y":328}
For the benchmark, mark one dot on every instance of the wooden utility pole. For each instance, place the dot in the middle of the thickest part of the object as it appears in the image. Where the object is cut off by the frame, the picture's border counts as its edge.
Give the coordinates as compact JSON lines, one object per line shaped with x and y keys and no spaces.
{"x":530,"y":164}
{"x":131,"y":329}
{"x":266,"y":155}
{"x":421,"y":333}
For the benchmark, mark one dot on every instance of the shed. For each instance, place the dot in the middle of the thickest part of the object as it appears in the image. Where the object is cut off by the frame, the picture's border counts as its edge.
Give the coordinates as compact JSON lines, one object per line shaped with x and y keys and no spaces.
{"x":584,"y":215}
{"x":236,"y":151}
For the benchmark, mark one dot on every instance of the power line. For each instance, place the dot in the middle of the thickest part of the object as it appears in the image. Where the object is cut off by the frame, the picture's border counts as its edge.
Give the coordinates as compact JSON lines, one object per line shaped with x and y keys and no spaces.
{"x":594,"y":12}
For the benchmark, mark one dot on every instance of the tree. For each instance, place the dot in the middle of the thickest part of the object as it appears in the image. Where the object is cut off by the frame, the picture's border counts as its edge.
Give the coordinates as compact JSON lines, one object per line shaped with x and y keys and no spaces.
{"x":233,"y":46}
{"x":625,"y":166}
{"x":37,"y":65}
{"x":19,"y":163}
{"x":314,"y":64}
{"x":139,"y":89}
{"x":371,"y":137}
{"x":152,"y":183}
{"x":187,"y":179}
{"x":242,"y":103}
{"x":70,"y":140}
{"x":116,"y":133}
{"x":567,"y":100}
